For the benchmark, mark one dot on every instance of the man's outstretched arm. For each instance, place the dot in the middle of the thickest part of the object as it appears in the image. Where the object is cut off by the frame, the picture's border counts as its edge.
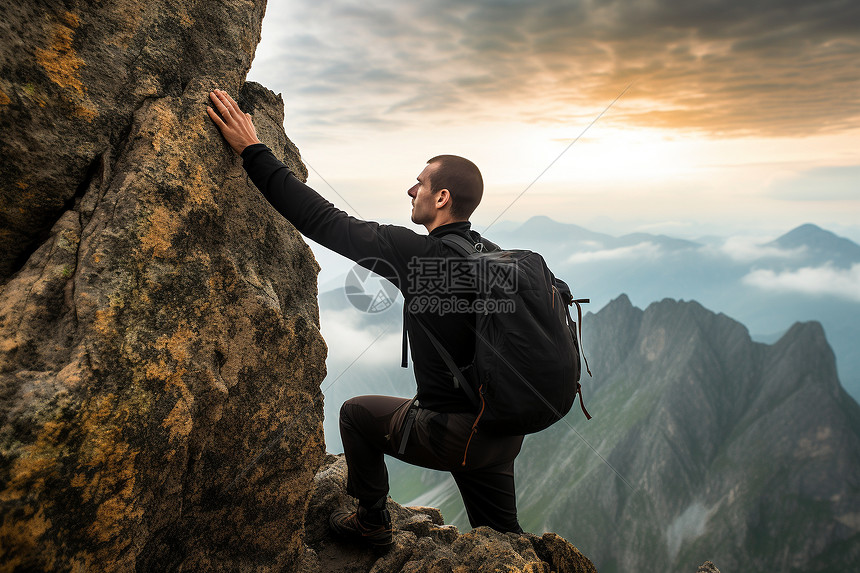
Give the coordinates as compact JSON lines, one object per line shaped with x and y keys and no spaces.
{"x":309,"y":212}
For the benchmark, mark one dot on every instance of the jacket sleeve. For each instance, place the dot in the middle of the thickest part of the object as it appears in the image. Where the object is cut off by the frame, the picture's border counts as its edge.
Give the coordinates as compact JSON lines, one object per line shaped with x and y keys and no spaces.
{"x":317,"y":219}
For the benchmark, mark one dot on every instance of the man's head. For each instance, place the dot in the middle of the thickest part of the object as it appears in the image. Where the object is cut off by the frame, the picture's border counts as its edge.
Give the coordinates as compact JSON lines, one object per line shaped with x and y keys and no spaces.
{"x":448,"y":189}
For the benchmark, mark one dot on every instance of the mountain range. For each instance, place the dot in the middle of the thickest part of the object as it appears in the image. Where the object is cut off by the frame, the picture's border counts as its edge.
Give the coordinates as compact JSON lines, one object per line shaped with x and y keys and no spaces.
{"x":809,"y":273}
{"x":705,"y":445}
{"x":710,"y":445}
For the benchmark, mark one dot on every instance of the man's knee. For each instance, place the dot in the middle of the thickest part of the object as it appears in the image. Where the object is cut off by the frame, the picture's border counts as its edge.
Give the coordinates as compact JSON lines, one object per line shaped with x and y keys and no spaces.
{"x":348,"y":411}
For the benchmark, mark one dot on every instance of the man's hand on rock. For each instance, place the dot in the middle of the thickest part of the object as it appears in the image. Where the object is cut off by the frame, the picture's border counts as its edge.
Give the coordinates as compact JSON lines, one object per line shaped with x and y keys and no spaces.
{"x":236,"y":126}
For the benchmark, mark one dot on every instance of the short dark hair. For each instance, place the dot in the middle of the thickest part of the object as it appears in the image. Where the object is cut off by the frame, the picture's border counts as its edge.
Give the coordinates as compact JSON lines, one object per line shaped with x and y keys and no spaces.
{"x":462,"y":179}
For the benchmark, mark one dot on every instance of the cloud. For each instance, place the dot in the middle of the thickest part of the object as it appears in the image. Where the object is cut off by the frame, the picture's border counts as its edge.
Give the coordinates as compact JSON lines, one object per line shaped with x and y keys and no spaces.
{"x":689,"y":525}
{"x":819,"y":281}
{"x":839,"y":183}
{"x":762,"y":67}
{"x":639,"y":251}
{"x":666,"y":226}
{"x":350,"y":341}
{"x":746,"y":249}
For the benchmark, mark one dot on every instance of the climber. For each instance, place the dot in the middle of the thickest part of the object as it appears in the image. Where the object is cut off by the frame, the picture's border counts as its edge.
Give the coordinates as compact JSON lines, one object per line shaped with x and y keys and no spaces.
{"x":437,"y":423}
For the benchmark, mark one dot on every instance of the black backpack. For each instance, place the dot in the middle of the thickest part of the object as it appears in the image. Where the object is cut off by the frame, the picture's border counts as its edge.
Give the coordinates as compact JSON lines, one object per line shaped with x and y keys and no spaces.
{"x":526,"y":370}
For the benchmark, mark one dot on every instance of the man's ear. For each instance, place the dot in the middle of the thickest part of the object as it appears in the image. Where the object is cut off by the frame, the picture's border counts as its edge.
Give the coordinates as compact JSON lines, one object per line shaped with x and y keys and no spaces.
{"x":443,"y":198}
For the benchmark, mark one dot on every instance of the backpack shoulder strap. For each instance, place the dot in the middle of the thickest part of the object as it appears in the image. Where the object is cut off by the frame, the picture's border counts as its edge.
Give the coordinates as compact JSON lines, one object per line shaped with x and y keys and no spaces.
{"x":459,"y":243}
{"x":463,"y":246}
{"x":404,"y":356}
{"x":452,"y":366}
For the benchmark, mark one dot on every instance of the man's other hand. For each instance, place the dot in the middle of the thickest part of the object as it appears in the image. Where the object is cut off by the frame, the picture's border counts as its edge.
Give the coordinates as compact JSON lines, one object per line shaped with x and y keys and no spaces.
{"x":236,"y":127}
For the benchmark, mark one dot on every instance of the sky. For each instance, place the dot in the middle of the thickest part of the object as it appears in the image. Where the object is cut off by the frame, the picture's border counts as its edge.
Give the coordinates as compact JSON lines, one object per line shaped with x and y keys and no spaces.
{"x":733,"y":117}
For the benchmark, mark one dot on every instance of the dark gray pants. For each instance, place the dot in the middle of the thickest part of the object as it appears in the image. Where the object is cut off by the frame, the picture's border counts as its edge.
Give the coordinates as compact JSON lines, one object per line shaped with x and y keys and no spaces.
{"x":371,"y":426}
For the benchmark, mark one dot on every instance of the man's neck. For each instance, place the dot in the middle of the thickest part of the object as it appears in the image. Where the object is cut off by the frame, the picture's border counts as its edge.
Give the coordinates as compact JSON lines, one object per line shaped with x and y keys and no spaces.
{"x":439,"y":223}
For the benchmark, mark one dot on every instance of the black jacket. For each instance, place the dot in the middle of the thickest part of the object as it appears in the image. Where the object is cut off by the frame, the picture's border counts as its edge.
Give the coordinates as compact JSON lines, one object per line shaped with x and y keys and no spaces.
{"x":364,"y":241}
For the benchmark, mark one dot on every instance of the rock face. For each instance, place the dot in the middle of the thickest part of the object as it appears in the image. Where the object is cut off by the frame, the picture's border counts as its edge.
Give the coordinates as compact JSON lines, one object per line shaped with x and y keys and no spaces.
{"x":160,"y":355}
{"x":74,"y":74}
{"x":422,"y":543}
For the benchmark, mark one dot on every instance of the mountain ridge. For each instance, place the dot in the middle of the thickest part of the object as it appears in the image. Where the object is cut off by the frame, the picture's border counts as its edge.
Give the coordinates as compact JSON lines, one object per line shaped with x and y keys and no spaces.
{"x":820,"y":242}
{"x":708,"y":399}
{"x":543,"y":228}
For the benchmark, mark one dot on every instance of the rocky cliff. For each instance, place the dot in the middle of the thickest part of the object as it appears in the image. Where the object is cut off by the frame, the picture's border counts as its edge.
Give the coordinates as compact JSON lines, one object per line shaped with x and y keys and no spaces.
{"x":161,"y":356}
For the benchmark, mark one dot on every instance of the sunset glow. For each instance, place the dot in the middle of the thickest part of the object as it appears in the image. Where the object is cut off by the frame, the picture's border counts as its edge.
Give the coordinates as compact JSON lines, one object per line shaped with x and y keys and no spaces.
{"x":737,"y":117}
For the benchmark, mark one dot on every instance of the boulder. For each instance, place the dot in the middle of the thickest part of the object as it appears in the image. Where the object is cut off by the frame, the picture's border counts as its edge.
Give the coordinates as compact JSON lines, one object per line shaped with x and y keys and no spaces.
{"x":160,"y":354}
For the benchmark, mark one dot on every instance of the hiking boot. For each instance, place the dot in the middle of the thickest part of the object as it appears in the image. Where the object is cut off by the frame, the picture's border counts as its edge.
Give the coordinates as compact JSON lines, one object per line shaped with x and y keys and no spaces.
{"x":372,"y":527}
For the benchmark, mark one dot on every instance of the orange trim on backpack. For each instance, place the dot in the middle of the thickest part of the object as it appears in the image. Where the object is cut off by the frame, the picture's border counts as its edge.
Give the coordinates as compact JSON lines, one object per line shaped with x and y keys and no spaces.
{"x":579,"y":324}
{"x":474,"y":426}
{"x":581,"y":403}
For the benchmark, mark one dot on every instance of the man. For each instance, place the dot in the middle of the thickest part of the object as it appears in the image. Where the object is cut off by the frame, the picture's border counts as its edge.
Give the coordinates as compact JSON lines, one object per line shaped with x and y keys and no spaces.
{"x":437,"y":429}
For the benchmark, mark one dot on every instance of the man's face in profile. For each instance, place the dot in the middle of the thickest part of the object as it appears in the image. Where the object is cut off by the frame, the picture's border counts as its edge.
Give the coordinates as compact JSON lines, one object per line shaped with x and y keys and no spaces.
{"x":423,"y":199}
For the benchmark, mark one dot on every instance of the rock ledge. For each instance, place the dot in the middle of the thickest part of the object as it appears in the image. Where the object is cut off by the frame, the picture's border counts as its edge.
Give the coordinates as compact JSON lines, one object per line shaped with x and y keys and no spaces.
{"x":422,"y":542}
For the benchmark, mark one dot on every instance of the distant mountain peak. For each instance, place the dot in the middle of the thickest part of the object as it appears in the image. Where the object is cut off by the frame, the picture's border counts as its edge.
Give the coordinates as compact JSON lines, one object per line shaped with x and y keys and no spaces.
{"x":547,"y":224}
{"x":810,"y":330}
{"x":811,"y":227}
{"x":821,"y":244}
{"x":814,"y":237}
{"x":809,"y":335}
{"x":543,"y":228}
{"x":539,"y":219}
{"x":622,"y":300}
{"x":546,"y":229}
{"x":717,"y":431}
{"x":804,"y":233}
